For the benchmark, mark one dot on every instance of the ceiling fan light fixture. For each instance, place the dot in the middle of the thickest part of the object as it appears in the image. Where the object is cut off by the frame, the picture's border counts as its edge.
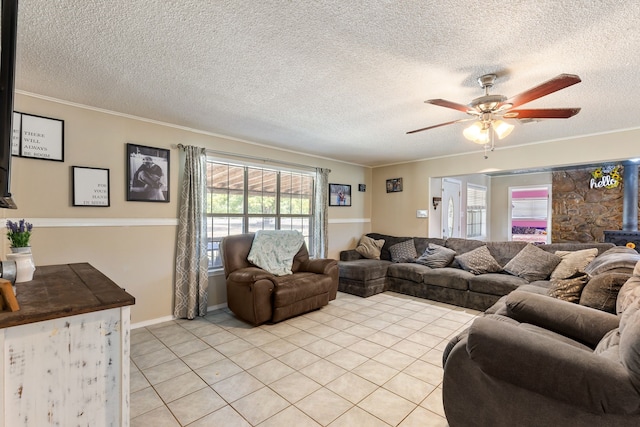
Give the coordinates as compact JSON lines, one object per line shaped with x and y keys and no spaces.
{"x":502,"y":128}
{"x":477,"y":133}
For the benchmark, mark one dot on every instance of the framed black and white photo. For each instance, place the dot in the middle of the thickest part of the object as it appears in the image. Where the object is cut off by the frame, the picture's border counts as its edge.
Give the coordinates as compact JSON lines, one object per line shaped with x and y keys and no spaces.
{"x":38,"y":137}
{"x":90,"y":186}
{"x":147,"y":174}
{"x":339,"y":195}
{"x":394,"y":185}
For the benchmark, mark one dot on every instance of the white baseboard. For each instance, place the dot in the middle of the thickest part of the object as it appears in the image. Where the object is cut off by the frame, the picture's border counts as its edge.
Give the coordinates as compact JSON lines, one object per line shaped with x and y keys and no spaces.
{"x":169,"y":318}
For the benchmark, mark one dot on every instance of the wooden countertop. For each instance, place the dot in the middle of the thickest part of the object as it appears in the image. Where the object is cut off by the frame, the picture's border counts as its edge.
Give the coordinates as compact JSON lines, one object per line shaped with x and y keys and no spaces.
{"x":64,"y":290}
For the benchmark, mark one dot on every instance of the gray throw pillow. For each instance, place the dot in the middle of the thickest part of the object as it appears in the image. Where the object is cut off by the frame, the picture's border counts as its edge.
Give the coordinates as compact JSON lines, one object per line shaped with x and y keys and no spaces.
{"x":479,"y":261}
{"x":436,"y":256}
{"x":532,"y":263}
{"x":619,"y":259}
{"x":602,"y":291}
{"x":403,"y":251}
{"x":568,"y":289}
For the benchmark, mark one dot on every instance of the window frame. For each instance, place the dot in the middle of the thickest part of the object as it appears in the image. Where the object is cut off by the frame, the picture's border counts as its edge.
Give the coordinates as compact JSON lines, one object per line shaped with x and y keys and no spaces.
{"x":213,"y":243}
{"x":473,"y":210}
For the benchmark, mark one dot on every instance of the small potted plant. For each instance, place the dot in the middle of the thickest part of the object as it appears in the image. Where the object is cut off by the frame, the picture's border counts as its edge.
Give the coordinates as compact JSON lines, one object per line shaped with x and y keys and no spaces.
{"x":19,"y":234}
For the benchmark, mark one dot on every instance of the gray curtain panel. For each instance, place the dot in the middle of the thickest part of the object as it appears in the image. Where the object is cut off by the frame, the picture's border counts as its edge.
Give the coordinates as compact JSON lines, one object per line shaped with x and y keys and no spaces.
{"x":320,"y":240}
{"x":192,"y":263}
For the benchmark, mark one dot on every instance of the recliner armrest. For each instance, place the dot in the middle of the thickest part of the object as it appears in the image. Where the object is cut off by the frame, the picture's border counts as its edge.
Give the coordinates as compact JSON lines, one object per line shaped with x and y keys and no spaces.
{"x":551,"y":368}
{"x":249,"y":275}
{"x":584,"y":324}
{"x":319,"y":266}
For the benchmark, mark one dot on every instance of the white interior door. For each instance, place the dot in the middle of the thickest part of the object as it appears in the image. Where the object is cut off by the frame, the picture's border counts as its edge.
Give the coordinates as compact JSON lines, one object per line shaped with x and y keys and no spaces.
{"x":451,"y":197}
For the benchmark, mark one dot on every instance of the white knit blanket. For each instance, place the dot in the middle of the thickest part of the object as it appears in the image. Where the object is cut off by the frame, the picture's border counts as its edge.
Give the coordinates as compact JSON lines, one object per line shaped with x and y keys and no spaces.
{"x":273,"y":250}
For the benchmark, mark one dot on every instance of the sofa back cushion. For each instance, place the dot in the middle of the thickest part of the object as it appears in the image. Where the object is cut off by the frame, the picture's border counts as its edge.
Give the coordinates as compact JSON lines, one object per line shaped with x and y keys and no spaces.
{"x":436,"y":256}
{"x":553,"y":247}
{"x":422,"y":243}
{"x":503,"y":252}
{"x":618,"y":259}
{"x":630,"y":291}
{"x":388,"y":242}
{"x":479,"y":261}
{"x":630,"y":342}
{"x":601,"y":291}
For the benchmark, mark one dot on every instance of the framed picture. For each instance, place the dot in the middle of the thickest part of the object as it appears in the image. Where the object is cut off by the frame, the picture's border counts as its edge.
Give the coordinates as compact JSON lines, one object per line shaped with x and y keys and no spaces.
{"x":90,"y":186}
{"x":362,"y":187}
{"x":394,"y":185}
{"x":339,"y":195}
{"x":37,"y":137}
{"x":147,"y":174}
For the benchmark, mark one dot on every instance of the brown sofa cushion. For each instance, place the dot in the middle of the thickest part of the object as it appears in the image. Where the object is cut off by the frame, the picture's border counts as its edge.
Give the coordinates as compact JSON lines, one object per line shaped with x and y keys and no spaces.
{"x":602,"y":291}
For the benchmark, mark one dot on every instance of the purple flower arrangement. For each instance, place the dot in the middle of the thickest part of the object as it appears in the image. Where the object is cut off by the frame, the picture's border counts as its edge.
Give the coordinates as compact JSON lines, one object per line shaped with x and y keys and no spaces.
{"x":19,"y":233}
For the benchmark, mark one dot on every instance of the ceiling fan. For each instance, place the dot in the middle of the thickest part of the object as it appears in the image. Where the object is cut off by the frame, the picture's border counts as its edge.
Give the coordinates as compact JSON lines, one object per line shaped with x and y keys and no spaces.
{"x":488,"y":111}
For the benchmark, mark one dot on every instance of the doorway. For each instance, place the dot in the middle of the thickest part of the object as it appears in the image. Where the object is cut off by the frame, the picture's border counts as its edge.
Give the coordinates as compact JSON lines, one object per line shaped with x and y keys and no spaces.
{"x":451,"y":197}
{"x":530,"y":214}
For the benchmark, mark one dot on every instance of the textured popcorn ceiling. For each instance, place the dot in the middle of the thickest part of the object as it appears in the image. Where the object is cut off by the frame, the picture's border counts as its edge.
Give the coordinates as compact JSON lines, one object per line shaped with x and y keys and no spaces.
{"x":334,"y":78}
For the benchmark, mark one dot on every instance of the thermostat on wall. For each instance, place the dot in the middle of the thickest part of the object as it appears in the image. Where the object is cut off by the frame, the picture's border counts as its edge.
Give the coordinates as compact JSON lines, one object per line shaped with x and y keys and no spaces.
{"x":422,"y":213}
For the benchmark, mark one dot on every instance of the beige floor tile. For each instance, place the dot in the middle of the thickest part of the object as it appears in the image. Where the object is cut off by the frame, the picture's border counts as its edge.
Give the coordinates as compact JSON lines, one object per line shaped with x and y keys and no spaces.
{"x":294,"y":387}
{"x":346,"y":359}
{"x":218,"y":371}
{"x":384,"y":339}
{"x":366,"y":348}
{"x":352,"y":387}
{"x":387,"y":406}
{"x":302,"y":323}
{"x":219,"y":338}
{"x":425,"y":339}
{"x":322,"y":371}
{"x":375,"y":372}
{"x":426,"y":372}
{"x":237,"y":386}
{"x":204,"y":330}
{"x":138,"y":382}
{"x":165,"y":371}
{"x":358,"y":417}
{"x":148,"y":346}
{"x":319,"y":316}
{"x":355,"y":317}
{"x":270,"y":371}
{"x":421,"y":417}
{"x":299,"y":358}
{"x":250,"y":358}
{"x":394,"y":359}
{"x":322,"y":348}
{"x":154,"y":358}
{"x":159,"y":417}
{"x":414,"y":324}
{"x":260,"y":405}
{"x":188,"y":347}
{"x":202,"y":358}
{"x":324,"y":406}
{"x":433,"y":356}
{"x":196,"y":405}
{"x":225,"y":416}
{"x":141,"y":335}
{"x":398,"y":331}
{"x":232,"y":347}
{"x":360,"y":331}
{"x":376,"y":323}
{"x":411,"y":388}
{"x":448,"y":324}
{"x":282,"y":329}
{"x":433,"y":402}
{"x":279,"y":347}
{"x":301,"y":338}
{"x":340,"y":324}
{"x":322,"y":331}
{"x":179,"y":386}
{"x":438,"y":331}
{"x":261,"y":338}
{"x":343,"y":339}
{"x":411,"y":348}
{"x":144,"y":401}
{"x":291,"y":416}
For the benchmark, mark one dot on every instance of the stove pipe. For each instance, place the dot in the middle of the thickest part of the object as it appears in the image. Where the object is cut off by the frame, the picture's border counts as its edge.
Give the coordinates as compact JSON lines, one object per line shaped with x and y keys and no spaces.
{"x":630,"y":197}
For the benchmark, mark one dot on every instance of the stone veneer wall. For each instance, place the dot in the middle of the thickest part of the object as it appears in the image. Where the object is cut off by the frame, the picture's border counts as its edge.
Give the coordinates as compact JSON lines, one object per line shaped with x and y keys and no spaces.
{"x":580,"y":213}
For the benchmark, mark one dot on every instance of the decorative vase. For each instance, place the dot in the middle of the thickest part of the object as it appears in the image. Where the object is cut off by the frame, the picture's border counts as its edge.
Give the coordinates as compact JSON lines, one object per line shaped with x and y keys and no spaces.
{"x":25,"y":266}
{"x":21,"y":250}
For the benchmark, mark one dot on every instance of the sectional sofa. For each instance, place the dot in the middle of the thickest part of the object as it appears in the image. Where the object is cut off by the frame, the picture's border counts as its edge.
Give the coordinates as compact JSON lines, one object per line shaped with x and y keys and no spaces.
{"x":451,"y":284}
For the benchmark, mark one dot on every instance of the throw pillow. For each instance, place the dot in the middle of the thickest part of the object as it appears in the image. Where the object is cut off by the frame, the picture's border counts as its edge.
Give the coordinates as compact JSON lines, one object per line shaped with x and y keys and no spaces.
{"x":602,"y":291}
{"x":568,"y":289}
{"x":619,"y":259}
{"x":403,"y":251}
{"x":532,"y":263}
{"x":629,"y":292}
{"x":479,"y":261}
{"x":436,"y":256}
{"x":369,"y":248}
{"x":573,"y":262}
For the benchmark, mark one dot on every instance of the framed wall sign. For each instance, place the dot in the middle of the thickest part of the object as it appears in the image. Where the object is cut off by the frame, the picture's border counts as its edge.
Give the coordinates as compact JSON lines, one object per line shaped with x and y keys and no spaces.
{"x":339,"y":195}
{"x":38,"y":137}
{"x":90,"y":186}
{"x":147,"y":174}
{"x":394,"y":185}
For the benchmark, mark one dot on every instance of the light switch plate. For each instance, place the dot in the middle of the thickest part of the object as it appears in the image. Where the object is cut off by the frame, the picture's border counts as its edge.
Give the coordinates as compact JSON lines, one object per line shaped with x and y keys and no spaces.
{"x":422,"y":213}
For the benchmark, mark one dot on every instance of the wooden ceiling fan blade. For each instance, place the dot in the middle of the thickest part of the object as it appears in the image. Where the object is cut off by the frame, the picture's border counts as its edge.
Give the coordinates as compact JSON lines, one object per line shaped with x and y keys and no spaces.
{"x":439,"y":125}
{"x":542,"y":113}
{"x":555,"y":84}
{"x":449,"y":104}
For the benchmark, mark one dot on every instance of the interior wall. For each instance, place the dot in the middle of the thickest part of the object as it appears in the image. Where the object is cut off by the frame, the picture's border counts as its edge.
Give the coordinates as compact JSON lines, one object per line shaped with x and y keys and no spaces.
{"x":395,"y":214}
{"x":133,"y":243}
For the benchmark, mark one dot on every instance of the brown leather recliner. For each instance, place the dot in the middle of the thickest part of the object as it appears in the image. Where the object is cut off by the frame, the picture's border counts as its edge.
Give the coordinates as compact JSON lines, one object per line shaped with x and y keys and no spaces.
{"x":257,"y":296}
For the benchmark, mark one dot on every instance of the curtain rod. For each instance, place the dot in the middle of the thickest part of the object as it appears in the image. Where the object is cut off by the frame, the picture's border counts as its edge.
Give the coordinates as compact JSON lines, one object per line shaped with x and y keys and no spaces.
{"x":260,"y":159}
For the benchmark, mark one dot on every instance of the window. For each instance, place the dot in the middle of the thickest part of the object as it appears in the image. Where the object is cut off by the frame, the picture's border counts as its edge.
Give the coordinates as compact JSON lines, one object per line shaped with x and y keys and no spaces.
{"x":476,"y":211}
{"x":243,"y":199}
{"x":530,"y":215}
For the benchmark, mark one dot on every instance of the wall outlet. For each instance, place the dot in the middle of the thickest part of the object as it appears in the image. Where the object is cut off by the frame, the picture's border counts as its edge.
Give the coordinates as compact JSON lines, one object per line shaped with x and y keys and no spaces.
{"x":422,"y":213}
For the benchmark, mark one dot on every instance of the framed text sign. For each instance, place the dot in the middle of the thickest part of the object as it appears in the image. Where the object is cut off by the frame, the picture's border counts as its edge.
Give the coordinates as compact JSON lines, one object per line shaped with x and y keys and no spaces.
{"x":38,"y":137}
{"x":90,"y":186}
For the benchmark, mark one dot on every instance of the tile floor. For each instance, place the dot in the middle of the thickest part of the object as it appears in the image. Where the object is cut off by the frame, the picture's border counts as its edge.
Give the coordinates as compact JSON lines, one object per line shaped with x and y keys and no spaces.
{"x":357,"y":362}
